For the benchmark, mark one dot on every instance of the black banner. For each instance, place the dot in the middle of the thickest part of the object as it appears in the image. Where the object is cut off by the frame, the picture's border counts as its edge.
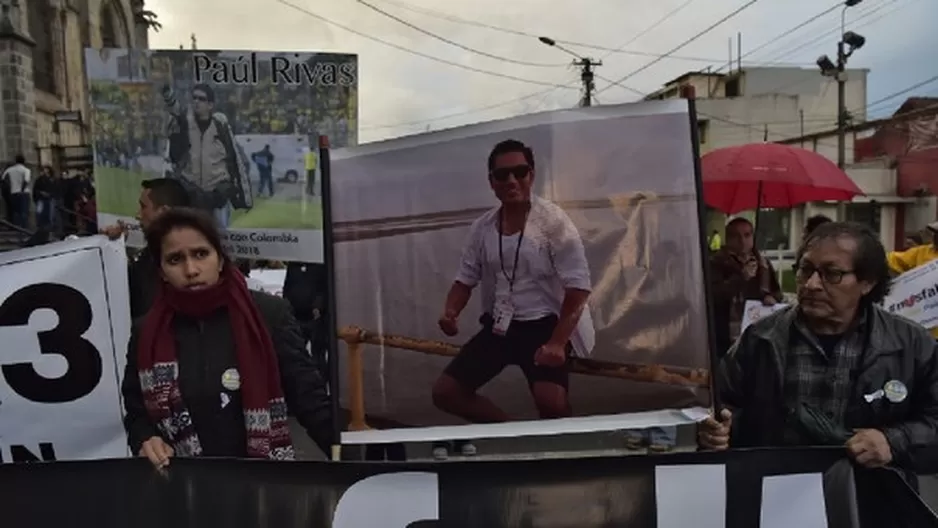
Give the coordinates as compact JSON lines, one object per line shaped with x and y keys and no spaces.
{"x":741,"y":489}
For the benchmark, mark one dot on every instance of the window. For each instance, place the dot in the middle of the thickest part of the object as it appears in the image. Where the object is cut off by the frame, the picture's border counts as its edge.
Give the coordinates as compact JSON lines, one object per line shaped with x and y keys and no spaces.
{"x":732,"y":87}
{"x":703,"y":127}
{"x":868,"y":214}
{"x":40,"y":20}
{"x":108,"y":31}
{"x":774,"y":229}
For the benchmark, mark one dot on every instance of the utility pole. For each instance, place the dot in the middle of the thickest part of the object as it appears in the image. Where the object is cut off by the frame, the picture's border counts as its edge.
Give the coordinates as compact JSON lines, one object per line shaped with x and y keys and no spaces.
{"x":848,"y":43}
{"x":586,"y":65}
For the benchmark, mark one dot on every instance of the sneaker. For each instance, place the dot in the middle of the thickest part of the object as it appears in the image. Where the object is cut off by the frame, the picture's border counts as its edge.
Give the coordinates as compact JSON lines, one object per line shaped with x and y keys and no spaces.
{"x":659,"y":448}
{"x":467,"y":449}
{"x":634,"y":441}
{"x":440,"y":451}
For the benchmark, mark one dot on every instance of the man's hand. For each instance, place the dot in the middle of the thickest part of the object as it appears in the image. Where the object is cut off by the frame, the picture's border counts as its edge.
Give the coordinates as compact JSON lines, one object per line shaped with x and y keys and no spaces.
{"x":551,"y":354}
{"x":157,"y":451}
{"x":768,"y":300}
{"x":869,"y":448}
{"x":714,"y":434}
{"x":114,"y":232}
{"x":448,"y":324}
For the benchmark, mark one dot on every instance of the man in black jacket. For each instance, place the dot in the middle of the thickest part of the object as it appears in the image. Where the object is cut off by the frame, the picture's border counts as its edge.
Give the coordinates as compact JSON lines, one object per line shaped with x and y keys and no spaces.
{"x":305,"y":288}
{"x":156,"y":196}
{"x":836,"y":369}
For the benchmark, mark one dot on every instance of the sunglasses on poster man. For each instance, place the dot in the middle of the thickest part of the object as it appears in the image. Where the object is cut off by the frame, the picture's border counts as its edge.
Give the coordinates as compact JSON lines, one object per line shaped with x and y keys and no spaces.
{"x":502,"y":174}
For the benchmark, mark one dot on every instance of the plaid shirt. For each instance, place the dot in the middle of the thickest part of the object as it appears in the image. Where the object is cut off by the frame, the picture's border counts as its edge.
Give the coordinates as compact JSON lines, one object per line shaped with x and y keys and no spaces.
{"x":817,"y":379}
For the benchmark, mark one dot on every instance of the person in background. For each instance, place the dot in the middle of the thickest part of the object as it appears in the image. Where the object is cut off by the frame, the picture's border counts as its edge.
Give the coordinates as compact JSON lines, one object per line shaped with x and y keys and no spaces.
{"x":813,"y":223}
{"x":715,"y":242}
{"x":229,"y":399}
{"x":305,"y":288}
{"x":43,"y":195}
{"x":835,"y":369}
{"x":913,"y":239}
{"x":903,"y":261}
{"x":156,"y":196}
{"x":739,"y":274}
{"x":18,"y":178}
{"x":264,"y":159}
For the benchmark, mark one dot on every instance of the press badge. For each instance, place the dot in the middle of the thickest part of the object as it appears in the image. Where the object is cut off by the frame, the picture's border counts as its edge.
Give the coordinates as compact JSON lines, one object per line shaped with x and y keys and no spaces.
{"x":502,"y":314}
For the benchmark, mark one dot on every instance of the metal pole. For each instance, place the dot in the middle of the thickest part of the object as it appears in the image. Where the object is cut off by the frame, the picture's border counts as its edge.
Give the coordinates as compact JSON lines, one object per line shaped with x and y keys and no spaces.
{"x":842,"y":107}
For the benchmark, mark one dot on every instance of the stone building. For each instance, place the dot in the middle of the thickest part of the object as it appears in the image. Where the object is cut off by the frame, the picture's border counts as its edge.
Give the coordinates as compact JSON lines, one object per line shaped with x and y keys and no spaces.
{"x":45,"y":107}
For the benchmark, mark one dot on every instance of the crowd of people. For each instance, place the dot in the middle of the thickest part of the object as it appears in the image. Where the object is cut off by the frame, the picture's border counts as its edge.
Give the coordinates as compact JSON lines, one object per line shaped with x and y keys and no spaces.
{"x":49,"y":204}
{"x":834,"y":368}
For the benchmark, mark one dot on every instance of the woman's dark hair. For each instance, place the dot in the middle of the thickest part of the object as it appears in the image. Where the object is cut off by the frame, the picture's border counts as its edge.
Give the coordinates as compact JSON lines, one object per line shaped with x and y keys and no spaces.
{"x":869,"y":258}
{"x":511,"y":145}
{"x":178,"y":217}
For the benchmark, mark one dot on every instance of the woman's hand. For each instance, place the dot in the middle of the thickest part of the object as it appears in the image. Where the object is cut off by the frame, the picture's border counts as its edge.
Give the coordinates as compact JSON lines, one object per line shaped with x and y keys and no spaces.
{"x":157,"y":451}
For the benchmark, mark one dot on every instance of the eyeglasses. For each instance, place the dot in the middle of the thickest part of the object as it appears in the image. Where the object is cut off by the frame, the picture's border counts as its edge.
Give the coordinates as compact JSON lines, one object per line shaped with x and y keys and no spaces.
{"x":805,"y":271}
{"x":502,"y":174}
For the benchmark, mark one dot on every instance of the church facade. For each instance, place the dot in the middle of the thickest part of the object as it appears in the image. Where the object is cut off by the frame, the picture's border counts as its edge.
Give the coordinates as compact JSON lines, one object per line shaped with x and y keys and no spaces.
{"x":44,"y":103}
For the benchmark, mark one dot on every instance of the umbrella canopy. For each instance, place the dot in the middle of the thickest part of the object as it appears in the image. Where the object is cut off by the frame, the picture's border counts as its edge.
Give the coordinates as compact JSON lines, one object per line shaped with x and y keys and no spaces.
{"x":771,"y":175}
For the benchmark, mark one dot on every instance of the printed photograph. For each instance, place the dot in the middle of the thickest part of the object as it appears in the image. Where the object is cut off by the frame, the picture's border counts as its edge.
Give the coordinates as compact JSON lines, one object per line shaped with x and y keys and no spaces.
{"x":537,"y":268}
{"x":240,"y":130}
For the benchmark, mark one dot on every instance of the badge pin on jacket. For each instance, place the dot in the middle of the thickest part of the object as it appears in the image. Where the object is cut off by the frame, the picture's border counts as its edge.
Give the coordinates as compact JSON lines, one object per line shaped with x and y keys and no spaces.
{"x":896,"y":391}
{"x":231,"y":379}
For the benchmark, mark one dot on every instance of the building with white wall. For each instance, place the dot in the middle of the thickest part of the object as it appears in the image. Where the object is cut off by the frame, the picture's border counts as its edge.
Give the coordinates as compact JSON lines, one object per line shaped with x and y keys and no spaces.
{"x":777,"y":104}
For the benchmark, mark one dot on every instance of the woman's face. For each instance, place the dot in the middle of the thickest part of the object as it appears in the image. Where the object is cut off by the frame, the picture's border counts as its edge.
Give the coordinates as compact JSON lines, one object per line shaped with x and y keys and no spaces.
{"x":189,"y":261}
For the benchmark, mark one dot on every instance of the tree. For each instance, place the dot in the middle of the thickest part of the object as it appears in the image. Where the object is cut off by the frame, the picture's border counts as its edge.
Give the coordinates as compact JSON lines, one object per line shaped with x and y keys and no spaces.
{"x":148,"y":18}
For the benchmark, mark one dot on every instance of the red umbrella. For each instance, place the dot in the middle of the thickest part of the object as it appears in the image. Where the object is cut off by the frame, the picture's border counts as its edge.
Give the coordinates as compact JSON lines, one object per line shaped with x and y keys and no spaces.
{"x":771,"y":175}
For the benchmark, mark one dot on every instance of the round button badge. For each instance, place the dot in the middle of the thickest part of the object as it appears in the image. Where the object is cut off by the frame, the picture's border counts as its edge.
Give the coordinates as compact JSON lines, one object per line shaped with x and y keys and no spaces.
{"x":231,"y":379}
{"x":896,"y":391}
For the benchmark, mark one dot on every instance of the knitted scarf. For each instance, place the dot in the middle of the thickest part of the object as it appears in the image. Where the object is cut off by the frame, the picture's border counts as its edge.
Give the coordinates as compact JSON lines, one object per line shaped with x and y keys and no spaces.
{"x":265,"y":410}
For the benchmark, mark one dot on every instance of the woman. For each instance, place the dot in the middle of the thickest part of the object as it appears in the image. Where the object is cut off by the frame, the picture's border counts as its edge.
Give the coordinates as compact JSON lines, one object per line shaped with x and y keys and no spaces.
{"x":212,"y":367}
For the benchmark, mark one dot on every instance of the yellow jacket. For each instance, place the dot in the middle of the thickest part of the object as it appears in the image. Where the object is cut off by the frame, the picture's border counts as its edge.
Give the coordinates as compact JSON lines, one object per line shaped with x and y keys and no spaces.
{"x":903,"y":261}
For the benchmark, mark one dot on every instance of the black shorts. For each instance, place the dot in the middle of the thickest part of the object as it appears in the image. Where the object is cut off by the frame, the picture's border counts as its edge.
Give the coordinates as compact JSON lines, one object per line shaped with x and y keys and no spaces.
{"x":485,"y":355}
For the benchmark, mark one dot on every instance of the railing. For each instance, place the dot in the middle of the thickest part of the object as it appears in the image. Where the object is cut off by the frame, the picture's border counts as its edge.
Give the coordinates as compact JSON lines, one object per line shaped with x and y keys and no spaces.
{"x":356,"y":338}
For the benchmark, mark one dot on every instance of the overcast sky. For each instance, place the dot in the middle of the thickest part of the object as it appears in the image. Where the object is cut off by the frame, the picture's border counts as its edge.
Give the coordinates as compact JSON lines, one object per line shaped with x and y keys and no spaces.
{"x":401,"y":93}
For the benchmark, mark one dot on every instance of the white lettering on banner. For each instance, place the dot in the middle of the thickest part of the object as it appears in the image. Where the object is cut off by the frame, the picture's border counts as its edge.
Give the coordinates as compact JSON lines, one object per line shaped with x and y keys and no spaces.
{"x":389,"y":500}
{"x":685,"y":495}
{"x":914,"y":295}
{"x":63,"y":350}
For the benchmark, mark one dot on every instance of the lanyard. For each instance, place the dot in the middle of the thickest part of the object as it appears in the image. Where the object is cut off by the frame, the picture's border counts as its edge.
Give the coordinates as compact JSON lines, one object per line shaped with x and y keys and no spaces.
{"x":501,"y":257}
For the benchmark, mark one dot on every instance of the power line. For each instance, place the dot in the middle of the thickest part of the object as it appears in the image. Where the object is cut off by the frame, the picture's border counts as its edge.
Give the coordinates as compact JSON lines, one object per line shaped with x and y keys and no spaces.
{"x":418,"y":53}
{"x":648,"y":29}
{"x":788,"y":31}
{"x":517,"y":32}
{"x":685,"y":43}
{"x":441,"y":38}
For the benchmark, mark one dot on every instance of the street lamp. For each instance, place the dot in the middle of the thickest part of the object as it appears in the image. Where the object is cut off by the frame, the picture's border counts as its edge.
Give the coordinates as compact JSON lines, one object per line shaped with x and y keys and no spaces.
{"x":586,"y":69}
{"x":849,"y":42}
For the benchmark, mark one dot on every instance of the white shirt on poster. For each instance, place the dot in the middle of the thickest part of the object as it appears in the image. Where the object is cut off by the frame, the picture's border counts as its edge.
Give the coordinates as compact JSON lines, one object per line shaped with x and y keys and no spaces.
{"x":551,"y":259}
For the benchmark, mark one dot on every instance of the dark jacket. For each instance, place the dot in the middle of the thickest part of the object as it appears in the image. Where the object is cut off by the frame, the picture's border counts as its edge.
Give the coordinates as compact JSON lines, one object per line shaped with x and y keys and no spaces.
{"x":205,"y":350}
{"x":143,"y":278}
{"x":750,"y":382}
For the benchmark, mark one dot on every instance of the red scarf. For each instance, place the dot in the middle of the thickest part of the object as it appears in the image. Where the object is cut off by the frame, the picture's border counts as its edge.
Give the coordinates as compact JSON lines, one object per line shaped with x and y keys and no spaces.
{"x":265,"y":411}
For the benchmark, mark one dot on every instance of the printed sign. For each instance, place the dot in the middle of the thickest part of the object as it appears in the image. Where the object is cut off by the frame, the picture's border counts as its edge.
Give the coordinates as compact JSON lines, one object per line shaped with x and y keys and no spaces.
{"x":613,"y":213}
{"x":64,"y":325}
{"x":238,"y":129}
{"x":914,"y":295}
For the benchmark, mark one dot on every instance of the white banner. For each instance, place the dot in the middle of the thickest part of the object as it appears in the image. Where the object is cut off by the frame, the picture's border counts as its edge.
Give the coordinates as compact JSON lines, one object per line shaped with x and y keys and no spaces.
{"x":64,"y":327}
{"x":914,"y":295}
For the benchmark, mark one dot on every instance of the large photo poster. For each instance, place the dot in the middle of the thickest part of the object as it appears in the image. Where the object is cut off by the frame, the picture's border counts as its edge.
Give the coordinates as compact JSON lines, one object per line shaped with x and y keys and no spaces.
{"x":239,"y":129}
{"x":612,"y":227}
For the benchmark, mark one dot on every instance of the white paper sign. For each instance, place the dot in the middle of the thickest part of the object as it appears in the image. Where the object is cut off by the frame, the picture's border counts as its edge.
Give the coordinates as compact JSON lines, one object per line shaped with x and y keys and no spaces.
{"x":755,"y":310}
{"x":64,"y":327}
{"x":914,"y":295}
{"x":269,"y":281}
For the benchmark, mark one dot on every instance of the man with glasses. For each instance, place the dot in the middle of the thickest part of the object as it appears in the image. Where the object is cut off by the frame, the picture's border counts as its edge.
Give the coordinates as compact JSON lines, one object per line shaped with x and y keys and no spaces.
{"x":530,"y":262}
{"x":835,"y":369}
